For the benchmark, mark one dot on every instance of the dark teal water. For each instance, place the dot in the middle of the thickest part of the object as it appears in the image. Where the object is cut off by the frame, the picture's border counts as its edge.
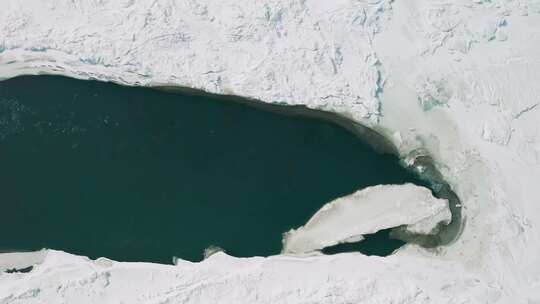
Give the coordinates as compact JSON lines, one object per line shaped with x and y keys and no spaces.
{"x":137,"y":174}
{"x":379,"y":243}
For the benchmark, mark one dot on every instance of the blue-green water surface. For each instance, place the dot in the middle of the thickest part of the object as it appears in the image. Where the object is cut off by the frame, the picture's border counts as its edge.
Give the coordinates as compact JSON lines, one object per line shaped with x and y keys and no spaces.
{"x":137,"y":174}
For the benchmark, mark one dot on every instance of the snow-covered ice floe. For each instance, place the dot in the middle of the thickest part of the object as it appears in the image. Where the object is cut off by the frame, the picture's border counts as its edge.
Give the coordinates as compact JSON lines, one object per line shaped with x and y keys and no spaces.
{"x":457,"y":79}
{"x":367,"y":211}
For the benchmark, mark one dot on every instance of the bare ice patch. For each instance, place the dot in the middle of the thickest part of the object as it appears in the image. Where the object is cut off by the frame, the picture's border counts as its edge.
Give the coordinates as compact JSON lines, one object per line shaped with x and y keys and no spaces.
{"x":367,"y":211}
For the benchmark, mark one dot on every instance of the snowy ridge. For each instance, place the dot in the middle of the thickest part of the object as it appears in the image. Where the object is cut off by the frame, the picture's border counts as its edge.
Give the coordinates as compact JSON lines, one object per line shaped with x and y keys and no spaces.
{"x":455,"y":78}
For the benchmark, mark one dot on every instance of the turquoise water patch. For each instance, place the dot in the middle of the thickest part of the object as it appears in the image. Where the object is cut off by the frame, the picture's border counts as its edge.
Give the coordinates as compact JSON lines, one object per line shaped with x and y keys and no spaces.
{"x":137,"y":174}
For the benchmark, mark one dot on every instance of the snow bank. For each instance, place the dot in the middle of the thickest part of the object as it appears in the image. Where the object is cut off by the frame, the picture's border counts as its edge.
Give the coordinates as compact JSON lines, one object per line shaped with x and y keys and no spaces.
{"x":343,"y":278}
{"x":368,"y":211}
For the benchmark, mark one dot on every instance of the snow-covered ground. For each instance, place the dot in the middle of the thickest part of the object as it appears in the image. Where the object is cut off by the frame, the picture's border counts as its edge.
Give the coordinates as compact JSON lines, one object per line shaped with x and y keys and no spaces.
{"x":456,"y":78}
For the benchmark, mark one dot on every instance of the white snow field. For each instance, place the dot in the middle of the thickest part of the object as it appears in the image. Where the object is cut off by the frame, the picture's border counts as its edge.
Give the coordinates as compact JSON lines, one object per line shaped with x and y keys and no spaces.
{"x":455,"y":78}
{"x":367,"y":211}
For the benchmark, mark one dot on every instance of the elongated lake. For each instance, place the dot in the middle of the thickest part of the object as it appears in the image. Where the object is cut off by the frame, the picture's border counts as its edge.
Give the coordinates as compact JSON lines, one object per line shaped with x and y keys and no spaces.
{"x":137,"y":174}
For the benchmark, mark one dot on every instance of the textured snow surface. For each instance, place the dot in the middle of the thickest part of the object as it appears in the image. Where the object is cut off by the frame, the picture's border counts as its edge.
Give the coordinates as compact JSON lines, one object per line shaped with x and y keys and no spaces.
{"x":456,"y":78}
{"x":351,"y":278}
{"x":368,"y":211}
{"x":280,"y":51}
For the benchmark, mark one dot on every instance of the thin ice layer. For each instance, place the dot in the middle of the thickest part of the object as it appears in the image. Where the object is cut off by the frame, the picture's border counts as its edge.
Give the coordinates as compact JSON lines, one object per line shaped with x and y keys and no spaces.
{"x":368,"y":211}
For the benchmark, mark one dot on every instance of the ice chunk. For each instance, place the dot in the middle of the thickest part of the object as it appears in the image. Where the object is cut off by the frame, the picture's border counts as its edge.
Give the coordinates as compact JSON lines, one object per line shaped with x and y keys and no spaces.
{"x":368,"y":211}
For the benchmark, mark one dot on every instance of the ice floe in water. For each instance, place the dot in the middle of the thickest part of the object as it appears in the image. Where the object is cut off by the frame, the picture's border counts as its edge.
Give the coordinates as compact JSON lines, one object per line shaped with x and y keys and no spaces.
{"x":367,"y":211}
